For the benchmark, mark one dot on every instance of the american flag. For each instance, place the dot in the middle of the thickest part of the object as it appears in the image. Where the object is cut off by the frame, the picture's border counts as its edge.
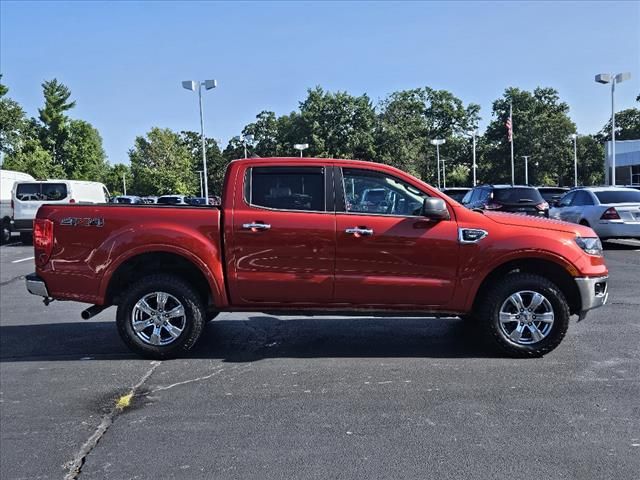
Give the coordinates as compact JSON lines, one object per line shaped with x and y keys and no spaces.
{"x":509,"y":125}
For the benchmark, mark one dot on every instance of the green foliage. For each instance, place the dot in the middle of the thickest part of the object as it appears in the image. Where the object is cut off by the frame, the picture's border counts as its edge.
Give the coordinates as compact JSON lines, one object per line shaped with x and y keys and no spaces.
{"x":113,"y":179}
{"x":31,"y":158}
{"x":627,"y":126}
{"x":82,"y":153}
{"x":216,"y":162}
{"x":55,"y":123}
{"x":541,"y":129}
{"x":458,"y":176}
{"x":337,"y":125}
{"x":12,"y":122}
{"x":590,"y":160}
{"x":161,"y":164}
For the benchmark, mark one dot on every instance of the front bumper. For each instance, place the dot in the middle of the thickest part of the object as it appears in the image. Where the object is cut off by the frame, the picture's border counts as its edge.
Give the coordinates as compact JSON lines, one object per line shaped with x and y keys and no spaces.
{"x":36,"y":286}
{"x":594,"y":292}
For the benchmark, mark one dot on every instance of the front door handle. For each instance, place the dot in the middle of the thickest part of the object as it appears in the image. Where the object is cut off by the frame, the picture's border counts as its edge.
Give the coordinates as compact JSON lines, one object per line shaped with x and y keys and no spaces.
{"x":358,"y":231}
{"x":256,"y":226}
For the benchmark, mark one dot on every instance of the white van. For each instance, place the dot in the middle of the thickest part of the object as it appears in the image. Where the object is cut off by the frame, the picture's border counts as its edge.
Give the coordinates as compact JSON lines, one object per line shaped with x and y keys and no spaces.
{"x":28,"y":196}
{"x":7,"y":179}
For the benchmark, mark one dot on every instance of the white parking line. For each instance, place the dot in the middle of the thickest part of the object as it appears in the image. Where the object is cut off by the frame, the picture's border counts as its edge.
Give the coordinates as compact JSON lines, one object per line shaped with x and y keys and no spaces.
{"x":23,"y":260}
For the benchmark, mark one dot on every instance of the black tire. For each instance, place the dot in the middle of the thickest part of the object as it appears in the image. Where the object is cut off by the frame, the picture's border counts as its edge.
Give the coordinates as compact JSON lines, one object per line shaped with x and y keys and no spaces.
{"x":585,"y":223}
{"x":489,"y":315}
{"x":6,"y":233}
{"x":194,"y":316}
{"x":26,"y":238}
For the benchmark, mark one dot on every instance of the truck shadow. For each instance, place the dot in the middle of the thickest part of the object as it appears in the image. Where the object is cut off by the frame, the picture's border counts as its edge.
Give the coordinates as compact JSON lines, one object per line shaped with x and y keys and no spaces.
{"x":256,"y":338}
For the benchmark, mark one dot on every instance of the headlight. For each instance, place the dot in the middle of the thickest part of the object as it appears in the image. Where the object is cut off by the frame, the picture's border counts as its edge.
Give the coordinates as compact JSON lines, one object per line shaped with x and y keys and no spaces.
{"x":590,"y":245}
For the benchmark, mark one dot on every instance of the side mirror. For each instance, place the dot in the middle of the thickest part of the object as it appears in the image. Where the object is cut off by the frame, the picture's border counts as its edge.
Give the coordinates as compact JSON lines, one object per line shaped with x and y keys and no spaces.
{"x":435,"y":208}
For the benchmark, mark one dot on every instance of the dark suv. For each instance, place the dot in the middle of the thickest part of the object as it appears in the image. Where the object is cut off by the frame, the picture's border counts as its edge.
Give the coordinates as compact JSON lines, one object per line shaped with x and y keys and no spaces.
{"x":520,"y":199}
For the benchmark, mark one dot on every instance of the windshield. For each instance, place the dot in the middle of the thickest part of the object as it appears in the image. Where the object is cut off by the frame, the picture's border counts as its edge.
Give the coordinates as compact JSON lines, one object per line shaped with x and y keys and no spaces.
{"x":618,"y":196}
{"x":517,"y":195}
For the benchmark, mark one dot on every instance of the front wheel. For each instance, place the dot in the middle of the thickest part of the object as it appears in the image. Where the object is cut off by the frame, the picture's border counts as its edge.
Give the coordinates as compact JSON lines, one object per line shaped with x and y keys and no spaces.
{"x":160,"y":317}
{"x":6,"y":232}
{"x":526,"y":315}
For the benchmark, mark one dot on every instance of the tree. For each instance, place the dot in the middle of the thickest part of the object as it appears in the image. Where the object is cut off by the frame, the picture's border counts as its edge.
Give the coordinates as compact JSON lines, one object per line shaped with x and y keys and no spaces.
{"x":590,"y":153}
{"x":84,"y":157}
{"x":541,"y":129}
{"x":409,"y":119}
{"x":337,"y":125}
{"x":627,"y":126}
{"x":31,"y":158}
{"x":216,"y":162}
{"x":55,"y":123}
{"x":162,"y":164}
{"x":12,"y":122}
{"x":113,"y":178}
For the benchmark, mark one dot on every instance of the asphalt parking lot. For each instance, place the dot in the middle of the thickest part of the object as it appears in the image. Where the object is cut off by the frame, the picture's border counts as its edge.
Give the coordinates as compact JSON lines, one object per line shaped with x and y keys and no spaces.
{"x":265,"y":397}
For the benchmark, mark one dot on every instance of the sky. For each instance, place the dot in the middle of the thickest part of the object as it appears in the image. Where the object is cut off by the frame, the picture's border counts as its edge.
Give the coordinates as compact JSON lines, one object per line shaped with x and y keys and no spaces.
{"x":124,"y":61}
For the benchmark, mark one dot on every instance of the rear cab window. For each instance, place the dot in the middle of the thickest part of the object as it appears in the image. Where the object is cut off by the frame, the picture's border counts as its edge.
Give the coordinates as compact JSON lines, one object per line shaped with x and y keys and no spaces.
{"x":286,"y":188}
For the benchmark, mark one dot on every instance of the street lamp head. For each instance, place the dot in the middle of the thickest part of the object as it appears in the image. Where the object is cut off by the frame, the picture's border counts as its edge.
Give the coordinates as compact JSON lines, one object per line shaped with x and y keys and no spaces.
{"x":603,"y":78}
{"x":190,"y":85}
{"x":574,"y":136}
{"x":248,"y":139}
{"x":621,"y":77}
{"x":472,"y":132}
{"x":209,"y":84}
{"x":437,"y":141}
{"x":301,"y":146}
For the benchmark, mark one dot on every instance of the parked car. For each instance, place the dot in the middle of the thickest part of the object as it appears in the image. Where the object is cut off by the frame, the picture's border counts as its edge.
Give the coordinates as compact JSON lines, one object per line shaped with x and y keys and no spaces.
{"x":265,"y":249}
{"x":172,"y":200}
{"x":520,"y":199}
{"x":149,"y":200}
{"x":552,"y":195}
{"x":457,"y":193}
{"x":7,"y":180}
{"x":28,"y":197}
{"x":197,"y":201}
{"x":130,"y":199}
{"x":613,"y":212}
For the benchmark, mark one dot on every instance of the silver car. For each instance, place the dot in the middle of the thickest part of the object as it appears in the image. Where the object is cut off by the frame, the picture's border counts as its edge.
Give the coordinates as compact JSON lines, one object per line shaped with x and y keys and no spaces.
{"x":613,"y":212}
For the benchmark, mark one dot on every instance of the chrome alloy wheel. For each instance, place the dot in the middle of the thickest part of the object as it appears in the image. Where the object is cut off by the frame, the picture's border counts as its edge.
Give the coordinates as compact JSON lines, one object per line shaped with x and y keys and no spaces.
{"x":526,"y":317}
{"x":158,"y":318}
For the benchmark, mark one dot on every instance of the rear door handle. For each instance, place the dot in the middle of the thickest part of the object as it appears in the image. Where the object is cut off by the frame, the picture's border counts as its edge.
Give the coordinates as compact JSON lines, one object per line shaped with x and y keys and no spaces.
{"x":357,"y":231}
{"x":256,"y":226}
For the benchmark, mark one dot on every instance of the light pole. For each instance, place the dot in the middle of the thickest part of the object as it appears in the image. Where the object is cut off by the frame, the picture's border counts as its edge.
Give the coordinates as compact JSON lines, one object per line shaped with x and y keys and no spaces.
{"x":200,"y":172}
{"x":473,"y":134}
{"x":613,"y":79}
{"x":246,"y":139}
{"x":208,"y":85}
{"x":444,"y":175}
{"x":574,"y":136}
{"x":526,"y":169}
{"x":124,"y":184}
{"x":301,"y":147}
{"x":437,"y":142}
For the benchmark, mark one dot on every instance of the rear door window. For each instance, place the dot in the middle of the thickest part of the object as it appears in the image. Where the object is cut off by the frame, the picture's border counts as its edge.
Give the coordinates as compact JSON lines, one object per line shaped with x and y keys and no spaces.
{"x":287,"y":188}
{"x":41,"y":192}
{"x":582,"y":198}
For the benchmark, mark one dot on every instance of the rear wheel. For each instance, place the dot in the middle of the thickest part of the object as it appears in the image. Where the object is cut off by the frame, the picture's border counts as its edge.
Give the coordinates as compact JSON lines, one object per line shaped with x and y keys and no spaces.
{"x":526,"y":315}
{"x":160,"y":317}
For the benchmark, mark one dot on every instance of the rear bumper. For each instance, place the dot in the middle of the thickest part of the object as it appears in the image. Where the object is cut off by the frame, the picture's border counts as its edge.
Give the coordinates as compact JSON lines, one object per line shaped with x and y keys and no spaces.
{"x":36,"y":286}
{"x":23,"y":226}
{"x":594,"y":292}
{"x":618,"y":229}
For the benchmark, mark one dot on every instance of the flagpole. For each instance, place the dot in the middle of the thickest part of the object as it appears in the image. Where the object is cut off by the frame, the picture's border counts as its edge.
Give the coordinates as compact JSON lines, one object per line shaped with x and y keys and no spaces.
{"x":511,"y":135}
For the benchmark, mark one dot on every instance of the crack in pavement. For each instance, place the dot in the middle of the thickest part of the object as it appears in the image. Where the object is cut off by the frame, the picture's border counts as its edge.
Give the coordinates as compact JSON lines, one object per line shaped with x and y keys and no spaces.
{"x":75,"y":465}
{"x":15,"y":279}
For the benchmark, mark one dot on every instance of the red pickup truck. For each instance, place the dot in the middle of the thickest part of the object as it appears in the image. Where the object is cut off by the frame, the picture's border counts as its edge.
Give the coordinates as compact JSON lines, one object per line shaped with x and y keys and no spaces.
{"x":318,"y":236}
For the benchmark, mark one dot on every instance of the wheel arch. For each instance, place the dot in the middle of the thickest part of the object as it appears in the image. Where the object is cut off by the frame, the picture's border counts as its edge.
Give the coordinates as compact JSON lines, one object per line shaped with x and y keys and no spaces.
{"x":549,"y":269}
{"x":161,"y":262}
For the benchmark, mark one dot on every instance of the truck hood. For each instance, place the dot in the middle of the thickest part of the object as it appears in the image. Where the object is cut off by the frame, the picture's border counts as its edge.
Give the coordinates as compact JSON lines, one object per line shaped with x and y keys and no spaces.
{"x":543,"y":223}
